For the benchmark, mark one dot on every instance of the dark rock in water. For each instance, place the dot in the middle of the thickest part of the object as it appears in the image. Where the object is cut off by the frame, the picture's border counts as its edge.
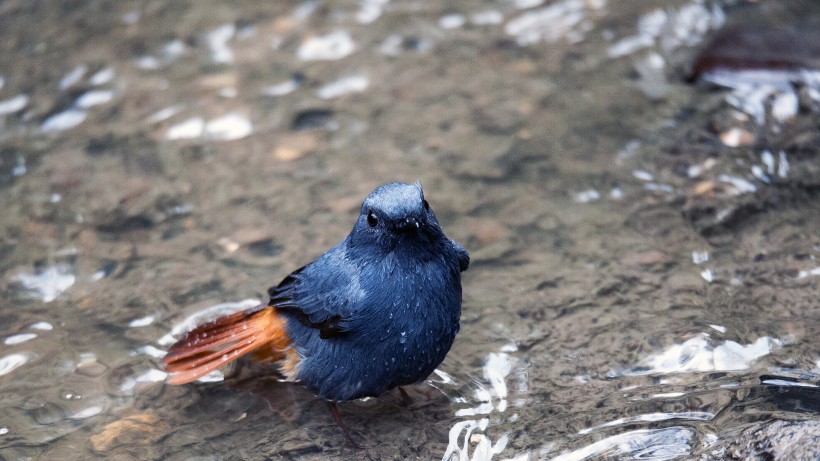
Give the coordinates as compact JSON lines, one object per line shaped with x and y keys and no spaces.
{"x":140,"y":154}
{"x":12,"y":165}
{"x":773,"y":440}
{"x":119,"y":223}
{"x":107,"y":268}
{"x":759,"y":48}
{"x":198,"y":292}
{"x":99,"y":146}
{"x":265,"y":248}
{"x":298,"y":78}
{"x":312,"y":119}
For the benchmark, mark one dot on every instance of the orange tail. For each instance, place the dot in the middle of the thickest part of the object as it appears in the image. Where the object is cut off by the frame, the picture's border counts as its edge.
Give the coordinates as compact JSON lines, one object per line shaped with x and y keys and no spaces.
{"x":213,"y":344}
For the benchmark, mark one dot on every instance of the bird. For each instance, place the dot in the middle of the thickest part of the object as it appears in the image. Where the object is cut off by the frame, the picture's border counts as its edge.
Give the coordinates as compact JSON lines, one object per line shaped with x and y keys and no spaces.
{"x":379,"y":310}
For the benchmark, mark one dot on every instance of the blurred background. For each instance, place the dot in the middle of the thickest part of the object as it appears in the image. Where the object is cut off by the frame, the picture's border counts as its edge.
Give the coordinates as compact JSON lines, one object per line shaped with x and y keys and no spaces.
{"x":636,"y":182}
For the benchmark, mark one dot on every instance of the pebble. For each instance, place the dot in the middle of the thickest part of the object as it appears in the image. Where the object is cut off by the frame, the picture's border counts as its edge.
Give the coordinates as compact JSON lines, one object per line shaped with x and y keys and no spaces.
{"x":312,"y":119}
{"x":281,"y":89}
{"x":140,"y":429}
{"x":737,"y":137}
{"x":342,"y":86}
{"x":295,"y":146}
{"x":330,"y":47}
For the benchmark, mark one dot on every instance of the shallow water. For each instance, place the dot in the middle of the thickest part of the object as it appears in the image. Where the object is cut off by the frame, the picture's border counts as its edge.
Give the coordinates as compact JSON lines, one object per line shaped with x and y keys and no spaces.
{"x":643,"y":284}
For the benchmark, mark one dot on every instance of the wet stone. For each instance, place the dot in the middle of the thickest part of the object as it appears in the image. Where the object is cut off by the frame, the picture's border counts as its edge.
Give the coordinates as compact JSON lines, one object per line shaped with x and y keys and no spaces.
{"x":265,"y":248}
{"x":208,"y":289}
{"x":12,"y":165}
{"x":649,"y":258}
{"x":295,"y":146}
{"x":737,"y":137}
{"x":119,"y":380}
{"x":173,"y":231}
{"x":684,"y":282}
{"x":93,"y":369}
{"x":141,"y":429}
{"x":773,"y":440}
{"x":118,"y":223}
{"x":48,"y":413}
{"x":760,"y":47}
{"x":314,"y":119}
{"x":169,"y":207}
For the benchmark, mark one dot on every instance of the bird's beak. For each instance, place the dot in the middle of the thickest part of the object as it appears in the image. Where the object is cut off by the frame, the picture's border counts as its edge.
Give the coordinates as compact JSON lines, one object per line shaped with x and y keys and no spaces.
{"x":409,"y":225}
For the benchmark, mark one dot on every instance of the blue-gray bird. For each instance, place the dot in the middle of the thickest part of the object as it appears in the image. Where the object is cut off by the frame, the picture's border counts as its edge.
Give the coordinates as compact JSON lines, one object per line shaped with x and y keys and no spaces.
{"x":379,"y":310}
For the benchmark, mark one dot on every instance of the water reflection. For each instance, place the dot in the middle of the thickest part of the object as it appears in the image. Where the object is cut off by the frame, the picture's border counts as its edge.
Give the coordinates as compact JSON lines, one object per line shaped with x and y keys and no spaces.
{"x":467,"y":438}
{"x":47,"y":283}
{"x":642,"y":444}
{"x":13,"y":104}
{"x":169,"y":53}
{"x":10,"y":362}
{"x":204,"y":315}
{"x":654,"y":417}
{"x":699,"y":354}
{"x":562,"y":20}
{"x":19,"y":339}
{"x":458,"y":448}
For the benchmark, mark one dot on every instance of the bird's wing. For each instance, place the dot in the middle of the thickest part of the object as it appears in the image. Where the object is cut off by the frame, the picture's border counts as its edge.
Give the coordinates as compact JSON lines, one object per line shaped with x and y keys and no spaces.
{"x":463,"y":256}
{"x":322,"y":294}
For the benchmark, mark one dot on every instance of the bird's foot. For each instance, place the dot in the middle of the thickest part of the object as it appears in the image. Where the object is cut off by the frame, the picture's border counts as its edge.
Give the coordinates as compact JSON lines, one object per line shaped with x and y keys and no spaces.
{"x":338,"y":417}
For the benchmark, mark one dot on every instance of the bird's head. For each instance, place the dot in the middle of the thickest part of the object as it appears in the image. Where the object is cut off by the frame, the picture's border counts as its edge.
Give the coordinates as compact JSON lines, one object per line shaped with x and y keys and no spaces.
{"x":396,"y":215}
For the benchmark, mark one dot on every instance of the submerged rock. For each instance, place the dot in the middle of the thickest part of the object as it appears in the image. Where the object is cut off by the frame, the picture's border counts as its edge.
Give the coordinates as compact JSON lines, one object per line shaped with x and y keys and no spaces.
{"x":759,"y":48}
{"x":773,"y":440}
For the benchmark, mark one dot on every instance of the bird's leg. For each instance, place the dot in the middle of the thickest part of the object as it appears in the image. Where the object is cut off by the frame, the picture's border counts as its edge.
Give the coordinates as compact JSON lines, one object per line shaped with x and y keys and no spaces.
{"x":406,"y":400}
{"x":338,"y":417}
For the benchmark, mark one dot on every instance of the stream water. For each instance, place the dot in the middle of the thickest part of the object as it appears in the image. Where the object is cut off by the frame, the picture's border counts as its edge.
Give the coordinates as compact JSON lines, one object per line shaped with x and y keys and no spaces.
{"x":644,"y":280}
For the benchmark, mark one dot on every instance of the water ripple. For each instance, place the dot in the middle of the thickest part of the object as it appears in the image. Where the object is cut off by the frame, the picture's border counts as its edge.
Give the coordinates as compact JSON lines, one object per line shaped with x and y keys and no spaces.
{"x":13,"y":361}
{"x":643,"y":444}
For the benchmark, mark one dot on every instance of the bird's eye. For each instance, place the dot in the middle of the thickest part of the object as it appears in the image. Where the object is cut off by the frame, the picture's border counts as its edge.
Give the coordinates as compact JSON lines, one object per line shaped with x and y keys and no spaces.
{"x":372,"y":220}
{"x":426,"y":205}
